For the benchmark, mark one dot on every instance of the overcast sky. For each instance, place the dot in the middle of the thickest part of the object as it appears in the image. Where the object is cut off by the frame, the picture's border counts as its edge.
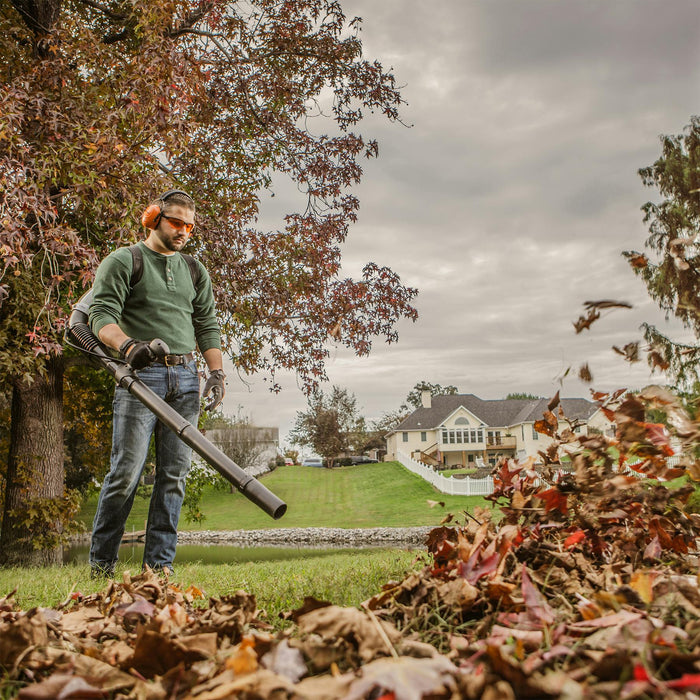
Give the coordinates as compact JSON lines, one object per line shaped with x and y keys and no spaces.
{"x":509,"y":199}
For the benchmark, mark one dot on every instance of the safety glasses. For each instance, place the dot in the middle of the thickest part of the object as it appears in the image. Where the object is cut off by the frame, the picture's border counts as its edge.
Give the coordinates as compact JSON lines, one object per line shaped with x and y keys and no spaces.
{"x":178,"y":223}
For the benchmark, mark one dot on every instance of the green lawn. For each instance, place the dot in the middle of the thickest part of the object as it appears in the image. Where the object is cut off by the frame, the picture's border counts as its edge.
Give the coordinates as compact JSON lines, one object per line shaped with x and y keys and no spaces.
{"x":371,"y":495}
{"x":342,"y":578}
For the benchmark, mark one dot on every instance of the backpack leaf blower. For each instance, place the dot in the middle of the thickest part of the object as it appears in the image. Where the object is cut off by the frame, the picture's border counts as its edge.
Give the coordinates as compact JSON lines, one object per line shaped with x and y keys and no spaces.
{"x":83,"y":339}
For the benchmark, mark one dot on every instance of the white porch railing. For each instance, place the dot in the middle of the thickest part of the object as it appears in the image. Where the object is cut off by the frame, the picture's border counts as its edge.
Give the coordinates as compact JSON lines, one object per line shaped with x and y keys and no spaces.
{"x":444,"y":484}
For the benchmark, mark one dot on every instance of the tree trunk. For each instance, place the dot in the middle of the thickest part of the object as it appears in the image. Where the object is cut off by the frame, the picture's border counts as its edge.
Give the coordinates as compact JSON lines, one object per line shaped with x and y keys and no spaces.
{"x":39,"y":15}
{"x":35,"y":468}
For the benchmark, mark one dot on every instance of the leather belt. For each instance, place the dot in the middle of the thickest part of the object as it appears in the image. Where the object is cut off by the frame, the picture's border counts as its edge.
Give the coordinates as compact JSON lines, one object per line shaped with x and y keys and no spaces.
{"x":174,"y":360}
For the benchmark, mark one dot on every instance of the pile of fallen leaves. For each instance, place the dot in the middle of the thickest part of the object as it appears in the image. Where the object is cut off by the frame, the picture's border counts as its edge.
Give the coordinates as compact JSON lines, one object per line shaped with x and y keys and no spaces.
{"x":586,"y":587}
{"x":144,"y":638}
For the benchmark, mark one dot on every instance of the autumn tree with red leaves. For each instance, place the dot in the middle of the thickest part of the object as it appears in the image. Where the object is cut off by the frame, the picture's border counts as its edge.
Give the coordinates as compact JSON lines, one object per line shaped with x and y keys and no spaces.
{"x":104,"y":105}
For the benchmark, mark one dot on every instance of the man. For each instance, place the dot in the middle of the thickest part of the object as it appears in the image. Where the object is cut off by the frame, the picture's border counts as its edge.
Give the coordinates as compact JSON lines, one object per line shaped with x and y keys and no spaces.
{"x":171,"y":299}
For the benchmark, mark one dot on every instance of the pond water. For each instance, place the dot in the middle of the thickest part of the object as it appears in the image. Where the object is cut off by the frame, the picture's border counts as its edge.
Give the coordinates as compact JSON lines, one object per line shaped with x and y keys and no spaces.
{"x":215,"y":553}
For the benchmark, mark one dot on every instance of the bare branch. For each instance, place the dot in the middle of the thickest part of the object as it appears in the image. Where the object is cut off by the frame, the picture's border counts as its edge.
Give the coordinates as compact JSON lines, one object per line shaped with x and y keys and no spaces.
{"x":191,"y":19}
{"x":106,"y":11}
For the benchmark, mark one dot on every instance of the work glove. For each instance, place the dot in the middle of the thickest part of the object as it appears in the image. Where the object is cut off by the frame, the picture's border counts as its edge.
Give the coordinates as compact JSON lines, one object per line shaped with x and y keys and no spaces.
{"x":137,"y":353}
{"x":214,"y":386}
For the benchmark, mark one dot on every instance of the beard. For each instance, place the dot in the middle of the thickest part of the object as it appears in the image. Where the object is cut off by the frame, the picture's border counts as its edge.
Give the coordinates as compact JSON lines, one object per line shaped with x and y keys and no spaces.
{"x":174,"y":244}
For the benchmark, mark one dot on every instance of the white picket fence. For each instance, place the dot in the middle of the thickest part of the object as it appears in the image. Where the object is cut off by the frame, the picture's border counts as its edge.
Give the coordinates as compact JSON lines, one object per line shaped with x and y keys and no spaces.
{"x":468,"y":486}
{"x":447,"y":484}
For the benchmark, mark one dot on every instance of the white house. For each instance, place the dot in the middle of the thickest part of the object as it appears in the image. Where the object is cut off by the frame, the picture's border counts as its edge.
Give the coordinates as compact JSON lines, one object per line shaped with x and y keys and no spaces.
{"x":463,"y":429}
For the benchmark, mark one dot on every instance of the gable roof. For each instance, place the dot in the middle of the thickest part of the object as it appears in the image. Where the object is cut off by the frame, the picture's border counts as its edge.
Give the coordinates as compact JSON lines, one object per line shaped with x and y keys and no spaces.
{"x":498,"y":413}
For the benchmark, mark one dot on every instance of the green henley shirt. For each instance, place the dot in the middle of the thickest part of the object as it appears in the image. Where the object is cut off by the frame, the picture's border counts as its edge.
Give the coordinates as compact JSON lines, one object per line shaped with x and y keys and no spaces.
{"x":163,"y":303}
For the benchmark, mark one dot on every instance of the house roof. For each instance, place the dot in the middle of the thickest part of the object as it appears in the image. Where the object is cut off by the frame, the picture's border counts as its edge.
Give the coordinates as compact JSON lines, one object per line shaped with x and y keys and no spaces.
{"x":498,"y":413}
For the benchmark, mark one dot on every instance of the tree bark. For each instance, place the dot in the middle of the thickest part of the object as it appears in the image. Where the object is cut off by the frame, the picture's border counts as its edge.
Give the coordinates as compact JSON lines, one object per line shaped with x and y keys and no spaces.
{"x":39,"y":15}
{"x":35,"y":468}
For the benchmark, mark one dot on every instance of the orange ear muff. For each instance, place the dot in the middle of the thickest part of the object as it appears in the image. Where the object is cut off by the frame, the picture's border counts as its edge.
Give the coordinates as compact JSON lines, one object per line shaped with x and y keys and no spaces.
{"x":151,"y":216}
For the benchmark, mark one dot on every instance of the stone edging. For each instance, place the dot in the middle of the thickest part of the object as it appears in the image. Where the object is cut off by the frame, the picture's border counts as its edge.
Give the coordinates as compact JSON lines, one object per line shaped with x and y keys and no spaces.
{"x":296,"y":537}
{"x":313,"y":536}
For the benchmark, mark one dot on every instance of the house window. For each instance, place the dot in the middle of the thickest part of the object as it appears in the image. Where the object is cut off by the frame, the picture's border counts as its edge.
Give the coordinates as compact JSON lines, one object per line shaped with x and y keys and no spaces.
{"x":535,"y":434}
{"x":423,"y":436}
{"x":461,"y":421}
{"x":452,"y":437}
{"x":404,"y":437}
{"x":470,"y":459}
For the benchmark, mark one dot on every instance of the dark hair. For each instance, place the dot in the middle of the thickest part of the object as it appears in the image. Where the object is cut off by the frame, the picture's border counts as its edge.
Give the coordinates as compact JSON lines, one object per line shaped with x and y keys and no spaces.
{"x":177,"y":198}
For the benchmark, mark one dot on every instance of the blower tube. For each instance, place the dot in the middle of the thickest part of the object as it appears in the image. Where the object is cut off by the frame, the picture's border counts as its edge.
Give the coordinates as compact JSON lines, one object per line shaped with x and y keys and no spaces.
{"x":83,"y":337}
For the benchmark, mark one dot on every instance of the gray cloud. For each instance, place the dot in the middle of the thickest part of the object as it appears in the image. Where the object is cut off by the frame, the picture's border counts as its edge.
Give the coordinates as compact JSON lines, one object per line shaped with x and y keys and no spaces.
{"x":510,"y":198}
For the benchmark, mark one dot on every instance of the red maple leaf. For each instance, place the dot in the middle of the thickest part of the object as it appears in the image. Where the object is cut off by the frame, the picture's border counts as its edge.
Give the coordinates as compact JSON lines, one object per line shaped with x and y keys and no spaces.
{"x":553,"y":499}
{"x":574,"y":538}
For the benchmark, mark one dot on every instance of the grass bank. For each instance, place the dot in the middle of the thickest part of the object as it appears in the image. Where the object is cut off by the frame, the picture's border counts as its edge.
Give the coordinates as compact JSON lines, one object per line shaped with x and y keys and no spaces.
{"x":370,"y":495}
{"x":341,"y":578}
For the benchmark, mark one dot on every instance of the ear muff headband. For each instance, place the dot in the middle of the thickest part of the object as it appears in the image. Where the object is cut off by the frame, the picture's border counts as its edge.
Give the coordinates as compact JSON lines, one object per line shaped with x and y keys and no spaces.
{"x":151,"y":216}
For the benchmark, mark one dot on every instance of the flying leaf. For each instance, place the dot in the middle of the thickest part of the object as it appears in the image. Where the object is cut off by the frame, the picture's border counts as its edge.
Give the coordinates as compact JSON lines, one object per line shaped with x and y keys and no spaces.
{"x":658,"y":435}
{"x":544,"y":427}
{"x":630,"y":351}
{"x":553,"y":402}
{"x":607,"y":304}
{"x":585,"y":322}
{"x":553,"y":499}
{"x":676,"y":414}
{"x":584,"y":373}
{"x":657,"y":360}
{"x":593,"y":307}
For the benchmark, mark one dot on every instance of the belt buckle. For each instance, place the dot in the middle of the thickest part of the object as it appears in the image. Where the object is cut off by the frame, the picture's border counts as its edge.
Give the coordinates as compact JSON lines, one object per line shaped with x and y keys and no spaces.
{"x":171,"y":360}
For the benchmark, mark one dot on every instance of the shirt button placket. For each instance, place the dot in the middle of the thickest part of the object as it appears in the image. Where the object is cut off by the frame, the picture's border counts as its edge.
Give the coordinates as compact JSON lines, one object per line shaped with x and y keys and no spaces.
{"x":169,"y":273}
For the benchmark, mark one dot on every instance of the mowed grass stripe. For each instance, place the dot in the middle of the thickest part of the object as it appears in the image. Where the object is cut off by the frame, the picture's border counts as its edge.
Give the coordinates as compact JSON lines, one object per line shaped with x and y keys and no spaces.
{"x":342,"y":578}
{"x":371,"y":495}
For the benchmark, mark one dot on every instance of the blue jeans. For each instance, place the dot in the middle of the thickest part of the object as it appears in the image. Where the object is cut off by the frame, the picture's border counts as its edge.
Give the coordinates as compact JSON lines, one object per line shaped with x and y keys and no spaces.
{"x":132,"y":429}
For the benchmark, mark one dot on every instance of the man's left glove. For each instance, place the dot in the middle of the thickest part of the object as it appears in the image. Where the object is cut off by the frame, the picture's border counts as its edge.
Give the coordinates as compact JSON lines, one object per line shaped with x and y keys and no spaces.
{"x":214,"y":386}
